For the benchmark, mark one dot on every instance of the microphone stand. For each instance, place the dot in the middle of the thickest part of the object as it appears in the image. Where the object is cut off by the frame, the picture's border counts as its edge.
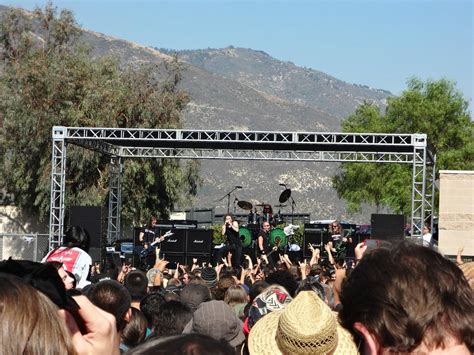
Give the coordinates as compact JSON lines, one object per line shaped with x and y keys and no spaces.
{"x":228,"y":198}
{"x":293,"y":205}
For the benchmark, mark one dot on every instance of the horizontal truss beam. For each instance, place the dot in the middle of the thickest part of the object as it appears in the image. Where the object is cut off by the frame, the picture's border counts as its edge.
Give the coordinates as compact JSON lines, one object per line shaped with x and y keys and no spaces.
{"x":324,"y":156}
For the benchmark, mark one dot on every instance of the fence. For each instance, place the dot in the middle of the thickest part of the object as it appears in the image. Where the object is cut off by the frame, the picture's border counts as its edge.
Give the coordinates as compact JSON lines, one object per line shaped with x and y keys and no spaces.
{"x":23,"y":246}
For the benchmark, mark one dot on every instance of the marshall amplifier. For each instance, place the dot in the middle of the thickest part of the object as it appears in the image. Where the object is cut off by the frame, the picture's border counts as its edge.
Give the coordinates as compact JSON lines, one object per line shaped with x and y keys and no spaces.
{"x":317,"y":236}
{"x":175,"y":243}
{"x":199,"y":241}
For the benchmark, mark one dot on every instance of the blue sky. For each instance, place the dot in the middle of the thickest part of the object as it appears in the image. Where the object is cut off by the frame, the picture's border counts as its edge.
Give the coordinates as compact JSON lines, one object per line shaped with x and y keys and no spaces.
{"x":377,"y":43}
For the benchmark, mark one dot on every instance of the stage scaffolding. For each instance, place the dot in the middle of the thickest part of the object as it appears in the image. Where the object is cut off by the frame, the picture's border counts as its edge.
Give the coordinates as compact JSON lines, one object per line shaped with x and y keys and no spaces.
{"x":127,"y":143}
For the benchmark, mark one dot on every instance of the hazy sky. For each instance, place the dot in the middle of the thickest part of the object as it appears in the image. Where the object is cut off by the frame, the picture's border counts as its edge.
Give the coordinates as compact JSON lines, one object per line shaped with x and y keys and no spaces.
{"x":380,"y":43}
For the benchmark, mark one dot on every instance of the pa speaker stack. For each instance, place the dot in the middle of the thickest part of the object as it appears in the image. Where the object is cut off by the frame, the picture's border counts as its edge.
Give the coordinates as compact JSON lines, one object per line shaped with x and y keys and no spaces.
{"x":315,"y":234}
{"x":89,"y":218}
{"x":186,"y":244}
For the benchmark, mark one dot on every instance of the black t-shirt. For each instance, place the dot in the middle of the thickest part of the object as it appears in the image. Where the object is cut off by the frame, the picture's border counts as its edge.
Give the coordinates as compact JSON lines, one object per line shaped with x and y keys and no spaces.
{"x":266,"y":241}
{"x":148,"y":234}
{"x":233,"y":237}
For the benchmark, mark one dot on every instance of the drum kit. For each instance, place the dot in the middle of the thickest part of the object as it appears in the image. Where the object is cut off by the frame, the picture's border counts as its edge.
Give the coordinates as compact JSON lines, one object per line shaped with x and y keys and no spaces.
{"x":278,"y":236}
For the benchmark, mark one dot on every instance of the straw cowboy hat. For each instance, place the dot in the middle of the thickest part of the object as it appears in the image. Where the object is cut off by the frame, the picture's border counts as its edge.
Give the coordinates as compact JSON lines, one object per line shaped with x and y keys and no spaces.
{"x":306,"y":326}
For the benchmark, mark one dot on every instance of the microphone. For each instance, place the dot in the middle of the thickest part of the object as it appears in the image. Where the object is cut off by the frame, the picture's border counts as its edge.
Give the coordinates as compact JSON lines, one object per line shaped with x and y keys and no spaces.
{"x":238,"y":187}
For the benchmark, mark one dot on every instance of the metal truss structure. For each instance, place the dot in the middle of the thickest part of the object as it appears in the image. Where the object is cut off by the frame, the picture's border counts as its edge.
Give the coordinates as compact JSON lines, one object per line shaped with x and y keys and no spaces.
{"x":121,"y":143}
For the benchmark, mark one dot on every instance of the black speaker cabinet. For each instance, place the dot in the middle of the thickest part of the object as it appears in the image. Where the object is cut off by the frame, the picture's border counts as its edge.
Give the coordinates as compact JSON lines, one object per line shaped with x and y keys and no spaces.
{"x":201,"y":258}
{"x":175,"y":243}
{"x":175,"y":258}
{"x":90,"y":218}
{"x":317,"y":237}
{"x":387,"y":226}
{"x":199,"y":241}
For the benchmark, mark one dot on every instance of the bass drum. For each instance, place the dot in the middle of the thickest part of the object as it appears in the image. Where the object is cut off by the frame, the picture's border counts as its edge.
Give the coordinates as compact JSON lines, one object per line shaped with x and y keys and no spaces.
{"x":245,"y":236}
{"x":278,"y":238}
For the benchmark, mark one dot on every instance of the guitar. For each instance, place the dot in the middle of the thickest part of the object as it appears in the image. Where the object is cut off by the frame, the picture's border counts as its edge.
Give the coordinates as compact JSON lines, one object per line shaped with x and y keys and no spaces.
{"x":145,"y":251}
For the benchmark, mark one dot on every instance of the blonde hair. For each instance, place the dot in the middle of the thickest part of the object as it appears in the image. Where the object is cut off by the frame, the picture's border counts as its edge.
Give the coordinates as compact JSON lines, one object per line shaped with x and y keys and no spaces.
{"x":30,"y":321}
{"x":235,"y":295}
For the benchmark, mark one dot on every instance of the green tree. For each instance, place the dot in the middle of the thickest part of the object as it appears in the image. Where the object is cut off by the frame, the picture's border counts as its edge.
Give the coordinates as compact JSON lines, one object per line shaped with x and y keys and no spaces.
{"x":47,"y":78}
{"x":436,"y":108}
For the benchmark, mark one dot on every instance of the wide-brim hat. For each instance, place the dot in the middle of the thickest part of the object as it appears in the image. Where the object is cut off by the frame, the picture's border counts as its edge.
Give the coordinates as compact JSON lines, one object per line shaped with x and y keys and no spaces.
{"x":306,"y":326}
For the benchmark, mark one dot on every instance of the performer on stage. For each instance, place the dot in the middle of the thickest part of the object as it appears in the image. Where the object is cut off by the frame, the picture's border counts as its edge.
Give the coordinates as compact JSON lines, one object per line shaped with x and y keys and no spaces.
{"x":263,"y":242}
{"x":146,"y":251}
{"x":147,"y":234}
{"x":230,"y":229}
{"x":339,"y":241}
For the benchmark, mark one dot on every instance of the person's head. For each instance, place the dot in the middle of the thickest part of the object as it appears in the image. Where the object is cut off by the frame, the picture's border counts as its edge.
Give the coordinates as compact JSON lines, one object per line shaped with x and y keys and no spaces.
{"x":217,"y":319}
{"x":408,"y":298}
{"x":285,"y":279}
{"x":426,"y":229}
{"x":184,"y":344}
{"x":171,"y":318}
{"x":335,"y":227}
{"x":136,"y":283}
{"x":209,"y":275}
{"x":150,"y":304}
{"x":195,"y":294}
{"x":271,"y":299}
{"x":113,"y":298}
{"x":266,"y":226}
{"x":257,"y":288}
{"x":305,"y":326}
{"x":68,"y":278}
{"x":228,"y":218}
{"x":77,"y":236}
{"x":152,"y":221}
{"x":234,"y":295}
{"x":30,"y":321}
{"x":134,"y":332}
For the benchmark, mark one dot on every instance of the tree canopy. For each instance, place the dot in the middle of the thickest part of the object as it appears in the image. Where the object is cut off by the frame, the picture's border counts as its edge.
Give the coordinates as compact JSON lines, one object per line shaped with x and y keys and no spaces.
{"x":434,"y":107}
{"x":48,"y":77}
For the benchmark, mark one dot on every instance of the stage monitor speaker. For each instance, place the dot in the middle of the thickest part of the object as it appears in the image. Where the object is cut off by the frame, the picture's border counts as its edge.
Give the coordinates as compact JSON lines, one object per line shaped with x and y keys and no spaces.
{"x":387,"y":226}
{"x":199,"y":241}
{"x":175,"y":243}
{"x":90,"y":218}
{"x":317,"y":237}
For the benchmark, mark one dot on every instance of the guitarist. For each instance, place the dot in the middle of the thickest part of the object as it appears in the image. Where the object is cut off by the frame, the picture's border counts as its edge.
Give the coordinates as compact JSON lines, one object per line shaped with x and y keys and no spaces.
{"x":263,"y":244}
{"x":148,"y":240}
{"x":263,"y":239}
{"x":147,"y":234}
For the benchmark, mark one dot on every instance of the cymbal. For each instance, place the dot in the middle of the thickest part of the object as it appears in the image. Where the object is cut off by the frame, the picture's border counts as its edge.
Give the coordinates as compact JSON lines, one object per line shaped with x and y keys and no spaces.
{"x":285,"y":195}
{"x":244,"y":205}
{"x":280,"y":205}
{"x":263,"y":205}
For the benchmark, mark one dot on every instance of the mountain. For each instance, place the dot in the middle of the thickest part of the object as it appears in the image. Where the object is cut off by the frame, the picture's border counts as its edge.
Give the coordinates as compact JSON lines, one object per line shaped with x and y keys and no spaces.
{"x":303,"y":86}
{"x":245,"y":89}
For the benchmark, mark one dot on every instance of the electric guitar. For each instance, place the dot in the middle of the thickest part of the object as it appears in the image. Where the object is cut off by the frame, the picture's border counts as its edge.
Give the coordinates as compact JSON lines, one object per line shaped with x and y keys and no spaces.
{"x":145,"y":251}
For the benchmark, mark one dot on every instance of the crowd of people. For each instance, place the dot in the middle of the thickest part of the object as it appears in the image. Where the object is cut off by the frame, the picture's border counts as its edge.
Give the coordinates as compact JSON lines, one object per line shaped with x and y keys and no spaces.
{"x":400,"y":298}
